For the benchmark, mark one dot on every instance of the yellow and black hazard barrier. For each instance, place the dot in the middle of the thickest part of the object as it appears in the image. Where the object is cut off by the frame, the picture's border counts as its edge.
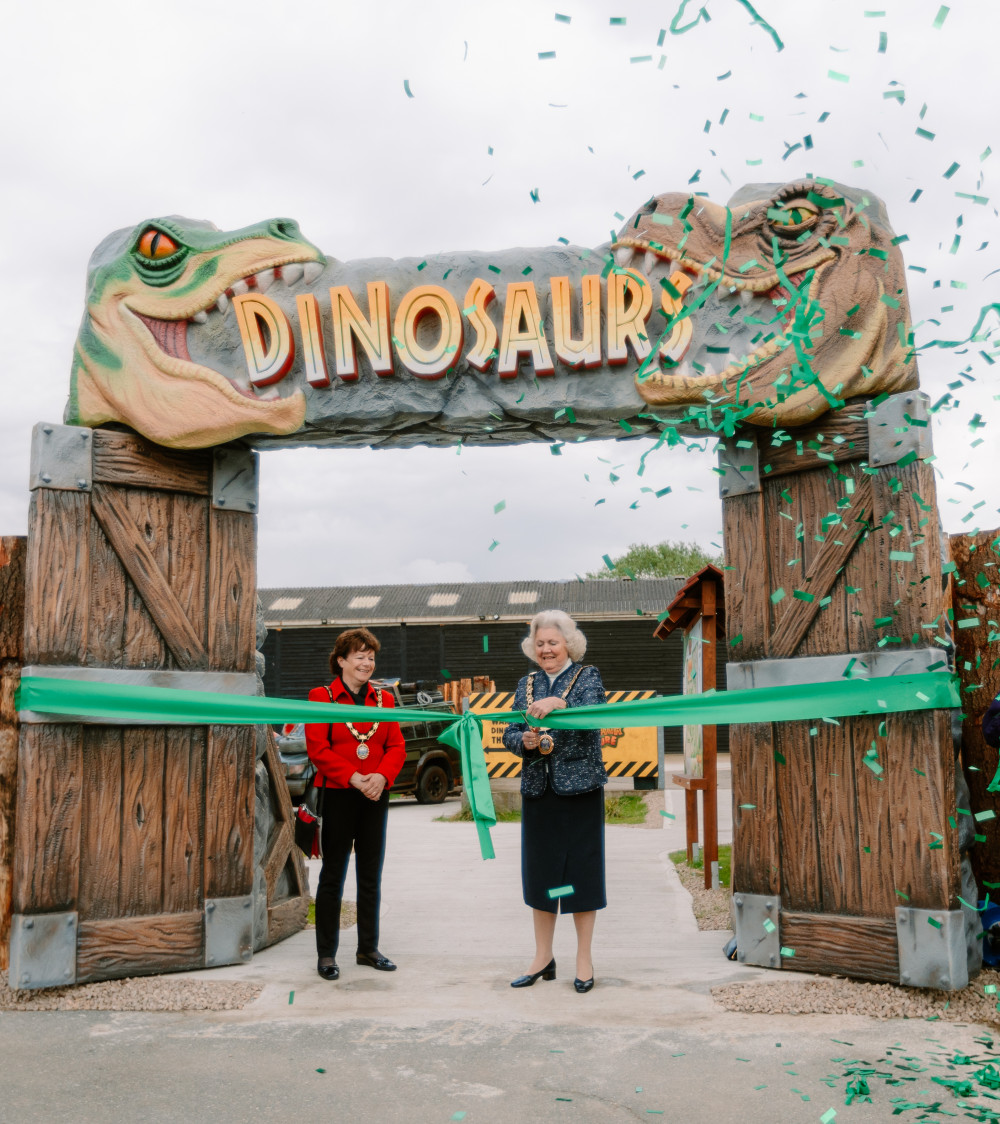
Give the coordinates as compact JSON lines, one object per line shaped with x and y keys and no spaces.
{"x":628,"y":752}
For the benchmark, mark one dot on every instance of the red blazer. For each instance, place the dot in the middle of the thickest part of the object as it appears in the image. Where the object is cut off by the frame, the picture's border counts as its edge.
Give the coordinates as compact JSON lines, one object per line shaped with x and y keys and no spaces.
{"x":333,"y":749}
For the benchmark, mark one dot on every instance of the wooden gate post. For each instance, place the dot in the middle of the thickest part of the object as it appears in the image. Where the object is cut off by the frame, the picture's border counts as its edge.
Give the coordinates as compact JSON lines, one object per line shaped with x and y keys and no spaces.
{"x":134,"y":845}
{"x":845,"y":851}
{"x":12,"y":552}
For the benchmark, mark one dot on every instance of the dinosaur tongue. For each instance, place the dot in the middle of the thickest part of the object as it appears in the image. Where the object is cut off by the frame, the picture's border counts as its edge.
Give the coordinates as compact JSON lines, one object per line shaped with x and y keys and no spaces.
{"x":171,"y":335}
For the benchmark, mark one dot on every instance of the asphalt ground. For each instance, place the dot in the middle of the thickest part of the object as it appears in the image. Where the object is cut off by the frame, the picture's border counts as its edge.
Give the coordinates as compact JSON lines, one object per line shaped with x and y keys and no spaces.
{"x":446,"y":1038}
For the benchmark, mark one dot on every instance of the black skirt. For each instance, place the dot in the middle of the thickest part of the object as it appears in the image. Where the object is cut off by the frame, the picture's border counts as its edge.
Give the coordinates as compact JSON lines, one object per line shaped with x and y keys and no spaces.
{"x":562,"y":845}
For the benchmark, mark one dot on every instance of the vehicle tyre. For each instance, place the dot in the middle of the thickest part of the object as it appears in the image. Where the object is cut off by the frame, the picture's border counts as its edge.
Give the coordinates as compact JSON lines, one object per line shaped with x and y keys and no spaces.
{"x":432,"y":785}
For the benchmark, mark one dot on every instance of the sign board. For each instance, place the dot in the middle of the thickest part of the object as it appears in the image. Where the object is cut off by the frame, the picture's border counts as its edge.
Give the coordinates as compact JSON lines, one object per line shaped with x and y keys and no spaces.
{"x":627,"y":752}
{"x":196,"y":336}
{"x":694,"y":745}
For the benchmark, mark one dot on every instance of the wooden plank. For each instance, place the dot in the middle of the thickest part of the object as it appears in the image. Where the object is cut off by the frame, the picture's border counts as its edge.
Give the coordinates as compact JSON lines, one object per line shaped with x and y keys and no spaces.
{"x":909,"y":591}
{"x":141,"y":566}
{"x":183,"y":818}
{"x":101,"y":834}
{"x":112,"y":598}
{"x":920,"y":774}
{"x":875,"y":818}
{"x":795,"y":778}
{"x":864,"y":948}
{"x":820,"y":576}
{"x":755,"y":864}
{"x":815,"y":446}
{"x":284,"y":812}
{"x":147,"y":514}
{"x":13,"y":557}
{"x":57,"y":568}
{"x":47,"y":832}
{"x":274,"y":864}
{"x":229,"y":811}
{"x":232,"y":580}
{"x":747,"y":601}
{"x":836,"y":806}
{"x":131,"y":946}
{"x":976,"y":593}
{"x":13,"y":554}
{"x":144,"y":750}
{"x":130,"y":460}
{"x":187,"y":560}
{"x":286,"y":918}
{"x":682,"y":780}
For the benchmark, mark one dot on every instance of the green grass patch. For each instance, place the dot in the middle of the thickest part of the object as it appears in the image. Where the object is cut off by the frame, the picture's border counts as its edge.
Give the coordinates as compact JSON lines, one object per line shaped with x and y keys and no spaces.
{"x":679,"y":858}
{"x":625,"y":807}
{"x":464,"y":815}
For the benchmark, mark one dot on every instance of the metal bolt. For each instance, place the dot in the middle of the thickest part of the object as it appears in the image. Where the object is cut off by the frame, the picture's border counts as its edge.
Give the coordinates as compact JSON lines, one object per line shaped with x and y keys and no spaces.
{"x":84,"y":435}
{"x":247,"y":904}
{"x":209,"y":959}
{"x":876,"y":460}
{"x":944,"y":983}
{"x":25,"y":978}
{"x":246,"y":954}
{"x":908,"y":400}
{"x":80,"y":482}
{"x":772,"y":958}
{"x":769,"y":905}
{"x":902,"y":918}
{"x":724,"y":491}
{"x":67,"y":973}
{"x":221,"y":501}
{"x":905,"y":978}
{"x":739,"y":901}
{"x":252,"y":504}
{"x":209,"y":906}
{"x":940,"y":920}
{"x":46,"y":478}
{"x":29,"y":923}
{"x":69,"y":922}
{"x":46,"y":429}
{"x":741,"y":956}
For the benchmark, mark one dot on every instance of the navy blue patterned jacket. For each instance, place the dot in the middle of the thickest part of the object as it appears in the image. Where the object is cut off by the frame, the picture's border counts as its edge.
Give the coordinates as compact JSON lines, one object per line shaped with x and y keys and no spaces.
{"x":576,"y":763}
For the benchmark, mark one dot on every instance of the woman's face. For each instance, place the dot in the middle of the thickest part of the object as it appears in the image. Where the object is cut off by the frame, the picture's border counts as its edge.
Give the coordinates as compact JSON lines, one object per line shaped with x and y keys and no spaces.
{"x":358,"y":666}
{"x":550,"y":649}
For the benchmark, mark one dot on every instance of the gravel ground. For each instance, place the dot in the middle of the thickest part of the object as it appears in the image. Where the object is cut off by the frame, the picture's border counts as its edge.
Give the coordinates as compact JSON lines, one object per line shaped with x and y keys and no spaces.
{"x":710,"y":907}
{"x":836,"y":996}
{"x":150,"y":993}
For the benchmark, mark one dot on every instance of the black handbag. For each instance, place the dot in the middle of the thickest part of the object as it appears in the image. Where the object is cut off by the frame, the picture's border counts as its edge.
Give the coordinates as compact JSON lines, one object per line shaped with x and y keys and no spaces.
{"x":309,"y":824}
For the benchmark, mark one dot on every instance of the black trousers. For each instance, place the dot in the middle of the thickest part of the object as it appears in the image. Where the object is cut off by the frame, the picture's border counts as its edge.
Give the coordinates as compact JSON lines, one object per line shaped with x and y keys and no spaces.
{"x":350,"y":821}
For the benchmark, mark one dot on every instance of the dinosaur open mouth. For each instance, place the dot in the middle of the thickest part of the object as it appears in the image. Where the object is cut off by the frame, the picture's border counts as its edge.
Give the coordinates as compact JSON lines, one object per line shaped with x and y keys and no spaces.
{"x":171,"y":336}
{"x":739,"y":323}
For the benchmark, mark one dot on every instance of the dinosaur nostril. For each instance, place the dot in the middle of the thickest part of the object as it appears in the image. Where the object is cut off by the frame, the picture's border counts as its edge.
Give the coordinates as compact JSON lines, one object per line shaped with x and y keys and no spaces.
{"x":284,"y":228}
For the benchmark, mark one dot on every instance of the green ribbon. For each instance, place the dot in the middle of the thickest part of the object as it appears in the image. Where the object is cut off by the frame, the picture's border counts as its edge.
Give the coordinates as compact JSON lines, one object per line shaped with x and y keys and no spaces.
{"x":148,"y":706}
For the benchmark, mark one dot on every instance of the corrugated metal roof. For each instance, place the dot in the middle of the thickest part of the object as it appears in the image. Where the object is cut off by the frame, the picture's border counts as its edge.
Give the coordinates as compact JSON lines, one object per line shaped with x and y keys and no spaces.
{"x":473,"y":601}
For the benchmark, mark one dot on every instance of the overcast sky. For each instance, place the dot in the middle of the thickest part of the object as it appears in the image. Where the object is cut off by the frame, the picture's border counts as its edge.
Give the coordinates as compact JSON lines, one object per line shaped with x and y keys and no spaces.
{"x":115,"y":112}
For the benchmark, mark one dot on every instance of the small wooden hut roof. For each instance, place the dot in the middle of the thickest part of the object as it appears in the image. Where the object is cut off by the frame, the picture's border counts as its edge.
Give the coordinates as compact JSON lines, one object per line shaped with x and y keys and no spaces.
{"x":686,"y":605}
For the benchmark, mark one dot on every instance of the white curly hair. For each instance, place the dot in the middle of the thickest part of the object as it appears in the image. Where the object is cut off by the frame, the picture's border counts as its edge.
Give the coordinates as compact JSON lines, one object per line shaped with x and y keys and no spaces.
{"x":576,"y":642}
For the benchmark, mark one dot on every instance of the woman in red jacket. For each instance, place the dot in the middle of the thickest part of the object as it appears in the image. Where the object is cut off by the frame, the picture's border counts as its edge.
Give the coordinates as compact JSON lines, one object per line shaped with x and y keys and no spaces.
{"x":356,"y":764}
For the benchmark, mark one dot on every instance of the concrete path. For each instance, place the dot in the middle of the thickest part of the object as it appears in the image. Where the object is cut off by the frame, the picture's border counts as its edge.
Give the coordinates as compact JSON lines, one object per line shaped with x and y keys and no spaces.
{"x":446,"y":1035}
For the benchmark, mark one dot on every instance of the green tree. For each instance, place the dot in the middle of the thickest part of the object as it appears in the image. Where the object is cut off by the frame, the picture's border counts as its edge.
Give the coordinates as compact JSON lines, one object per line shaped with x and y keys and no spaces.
{"x":664,"y":560}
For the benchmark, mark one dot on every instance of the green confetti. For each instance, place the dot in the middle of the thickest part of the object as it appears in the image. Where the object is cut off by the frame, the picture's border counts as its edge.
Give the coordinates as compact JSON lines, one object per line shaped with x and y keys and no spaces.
{"x":837,"y":77}
{"x":563,"y":19}
{"x":546,"y":54}
{"x":409,"y":94}
{"x":828,"y":1117}
{"x":941,"y":16}
{"x":778,"y":595}
{"x":321,"y":1071}
{"x":560,"y":891}
{"x":787,"y":952}
{"x":498,"y":507}
{"x":291,"y":998}
{"x":486,"y":643}
{"x":619,"y":21}
{"x":669,"y":815}
{"x":460,"y":1115}
{"x":493,"y":545}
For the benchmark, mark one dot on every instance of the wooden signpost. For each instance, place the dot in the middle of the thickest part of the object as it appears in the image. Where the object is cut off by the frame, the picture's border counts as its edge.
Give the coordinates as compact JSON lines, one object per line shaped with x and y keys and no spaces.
{"x":698,"y":609}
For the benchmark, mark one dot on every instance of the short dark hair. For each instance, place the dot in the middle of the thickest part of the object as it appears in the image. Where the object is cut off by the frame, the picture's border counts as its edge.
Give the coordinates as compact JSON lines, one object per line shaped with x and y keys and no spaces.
{"x":353,"y":640}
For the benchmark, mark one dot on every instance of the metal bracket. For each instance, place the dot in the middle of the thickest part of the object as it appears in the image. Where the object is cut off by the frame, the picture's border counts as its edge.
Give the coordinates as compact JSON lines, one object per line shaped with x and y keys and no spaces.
{"x":932,"y":951}
{"x":826,"y":669}
{"x":42,"y":950}
{"x":897,"y":426}
{"x":235,"y":478}
{"x":739,"y":466}
{"x":62,"y":457}
{"x":758,"y":940}
{"x":228,"y":930}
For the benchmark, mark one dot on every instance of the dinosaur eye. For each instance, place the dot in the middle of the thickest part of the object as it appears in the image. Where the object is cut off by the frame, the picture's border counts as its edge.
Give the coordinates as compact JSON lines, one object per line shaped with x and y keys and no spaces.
{"x":154,"y":244}
{"x":793,"y":214}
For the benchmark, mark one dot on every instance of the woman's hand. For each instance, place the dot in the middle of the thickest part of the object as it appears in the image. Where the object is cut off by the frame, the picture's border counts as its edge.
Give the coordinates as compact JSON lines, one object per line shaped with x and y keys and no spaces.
{"x":543,"y":707}
{"x":372,"y":785}
{"x":529,"y":739}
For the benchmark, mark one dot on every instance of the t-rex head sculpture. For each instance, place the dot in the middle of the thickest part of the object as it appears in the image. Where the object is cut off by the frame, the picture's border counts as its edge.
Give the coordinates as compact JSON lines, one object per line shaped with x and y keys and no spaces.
{"x":144,"y":286}
{"x":797,"y":300}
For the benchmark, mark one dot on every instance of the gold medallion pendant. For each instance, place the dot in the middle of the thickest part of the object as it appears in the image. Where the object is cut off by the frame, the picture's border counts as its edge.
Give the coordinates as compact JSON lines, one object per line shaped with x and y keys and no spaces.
{"x":363,"y":752}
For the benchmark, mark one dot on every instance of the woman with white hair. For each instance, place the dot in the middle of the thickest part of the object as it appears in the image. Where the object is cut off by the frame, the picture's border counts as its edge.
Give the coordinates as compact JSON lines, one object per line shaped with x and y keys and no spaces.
{"x":562,"y":789}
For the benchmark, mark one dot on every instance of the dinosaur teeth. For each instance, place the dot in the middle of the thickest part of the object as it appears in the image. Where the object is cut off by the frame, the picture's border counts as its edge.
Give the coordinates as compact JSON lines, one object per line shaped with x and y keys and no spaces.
{"x":745,"y":297}
{"x":264,"y":279}
{"x":222,"y":303}
{"x":239,"y":287}
{"x":623,"y":256}
{"x":292,"y":273}
{"x":200,"y":317}
{"x":267,"y":395}
{"x":649,"y":262}
{"x":311,"y":270}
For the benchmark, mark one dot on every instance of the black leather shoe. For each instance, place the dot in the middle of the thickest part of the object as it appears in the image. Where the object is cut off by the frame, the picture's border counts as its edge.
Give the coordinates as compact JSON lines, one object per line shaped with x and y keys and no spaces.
{"x":547,"y":973}
{"x":328,"y":969}
{"x":583,"y":986}
{"x":377,"y":961}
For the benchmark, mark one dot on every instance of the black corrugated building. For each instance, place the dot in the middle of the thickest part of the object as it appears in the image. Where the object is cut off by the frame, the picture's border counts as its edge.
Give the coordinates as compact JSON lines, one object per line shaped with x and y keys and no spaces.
{"x":475,"y":628}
